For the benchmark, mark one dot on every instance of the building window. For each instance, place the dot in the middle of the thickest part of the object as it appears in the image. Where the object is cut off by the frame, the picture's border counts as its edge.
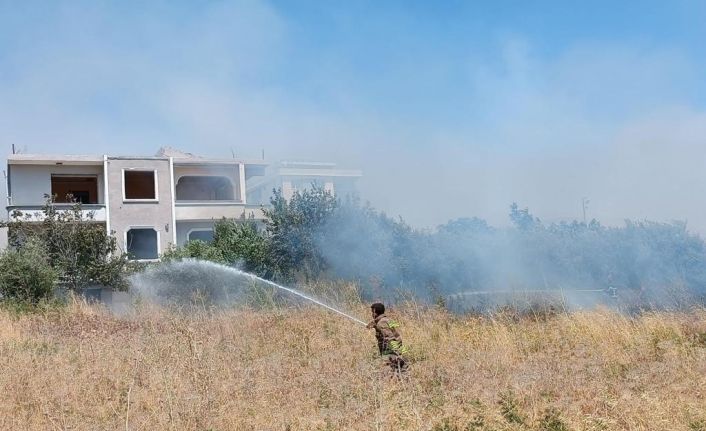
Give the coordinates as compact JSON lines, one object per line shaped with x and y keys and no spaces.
{"x":74,"y":188}
{"x":204,"y":188}
{"x":142,"y":243}
{"x":205,"y":235}
{"x":140,"y":185}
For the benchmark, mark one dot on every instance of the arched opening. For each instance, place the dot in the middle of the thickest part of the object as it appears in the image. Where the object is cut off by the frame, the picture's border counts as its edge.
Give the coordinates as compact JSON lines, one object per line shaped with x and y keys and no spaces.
{"x":204,"y":188}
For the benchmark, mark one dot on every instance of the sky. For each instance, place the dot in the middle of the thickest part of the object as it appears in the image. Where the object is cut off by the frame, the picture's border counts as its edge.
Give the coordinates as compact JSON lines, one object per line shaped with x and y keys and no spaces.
{"x":451,"y":109}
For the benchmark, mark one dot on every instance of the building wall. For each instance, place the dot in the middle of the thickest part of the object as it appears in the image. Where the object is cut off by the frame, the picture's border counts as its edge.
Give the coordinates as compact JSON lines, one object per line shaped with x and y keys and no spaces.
{"x":261,"y":194}
{"x":29,"y":183}
{"x":343,"y":187}
{"x":293,"y":184}
{"x":125,"y":215}
{"x":232,"y":172}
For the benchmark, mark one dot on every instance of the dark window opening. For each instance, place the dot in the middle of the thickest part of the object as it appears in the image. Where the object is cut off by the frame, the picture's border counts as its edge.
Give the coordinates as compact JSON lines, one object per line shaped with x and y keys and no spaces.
{"x":204,"y":188}
{"x":142,"y":243}
{"x":67,"y":189}
{"x":202,"y":235}
{"x":140,"y":185}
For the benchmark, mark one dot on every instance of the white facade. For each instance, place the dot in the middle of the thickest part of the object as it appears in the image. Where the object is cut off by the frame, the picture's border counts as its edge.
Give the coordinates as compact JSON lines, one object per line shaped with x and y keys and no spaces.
{"x":147,"y":203}
{"x":291,"y":177}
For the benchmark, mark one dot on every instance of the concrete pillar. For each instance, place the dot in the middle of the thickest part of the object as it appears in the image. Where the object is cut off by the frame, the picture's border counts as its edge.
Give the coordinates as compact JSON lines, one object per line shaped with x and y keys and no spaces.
{"x":287,"y":190}
{"x":3,"y":238}
{"x":328,"y":186}
{"x":243,"y":191}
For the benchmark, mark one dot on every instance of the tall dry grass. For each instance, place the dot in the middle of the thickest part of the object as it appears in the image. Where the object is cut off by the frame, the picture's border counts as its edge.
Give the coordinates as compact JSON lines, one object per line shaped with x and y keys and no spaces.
{"x":82,"y":368}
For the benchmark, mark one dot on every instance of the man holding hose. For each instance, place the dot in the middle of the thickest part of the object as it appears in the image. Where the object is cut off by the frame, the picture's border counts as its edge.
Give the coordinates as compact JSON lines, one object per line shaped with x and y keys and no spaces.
{"x":388,"y":338}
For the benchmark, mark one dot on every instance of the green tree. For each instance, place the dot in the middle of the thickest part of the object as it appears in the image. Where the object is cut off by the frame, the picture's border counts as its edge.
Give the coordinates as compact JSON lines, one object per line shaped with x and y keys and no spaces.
{"x":293,"y":227}
{"x":242,"y":243}
{"x":522,"y":219}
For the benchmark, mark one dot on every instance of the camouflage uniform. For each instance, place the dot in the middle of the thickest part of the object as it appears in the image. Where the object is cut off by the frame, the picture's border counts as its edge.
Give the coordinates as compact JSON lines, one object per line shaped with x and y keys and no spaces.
{"x":389,"y":342}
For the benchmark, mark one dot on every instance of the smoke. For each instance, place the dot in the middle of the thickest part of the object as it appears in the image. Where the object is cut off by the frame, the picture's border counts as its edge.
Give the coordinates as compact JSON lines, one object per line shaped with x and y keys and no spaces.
{"x":466,"y":263}
{"x":466,"y":126}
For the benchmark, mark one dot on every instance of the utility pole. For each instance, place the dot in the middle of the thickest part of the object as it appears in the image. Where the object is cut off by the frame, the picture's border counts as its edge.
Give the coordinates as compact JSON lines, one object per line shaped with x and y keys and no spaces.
{"x":584,"y":204}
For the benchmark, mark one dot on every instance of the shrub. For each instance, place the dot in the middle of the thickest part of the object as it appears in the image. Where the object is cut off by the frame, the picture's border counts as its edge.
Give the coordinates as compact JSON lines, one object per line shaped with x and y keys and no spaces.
{"x":195,"y":249}
{"x":25,"y":274}
{"x":79,"y":250}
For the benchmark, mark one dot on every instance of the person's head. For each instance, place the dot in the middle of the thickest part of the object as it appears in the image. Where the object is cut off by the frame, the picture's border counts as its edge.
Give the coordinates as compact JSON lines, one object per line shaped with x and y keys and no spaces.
{"x":378,"y":309}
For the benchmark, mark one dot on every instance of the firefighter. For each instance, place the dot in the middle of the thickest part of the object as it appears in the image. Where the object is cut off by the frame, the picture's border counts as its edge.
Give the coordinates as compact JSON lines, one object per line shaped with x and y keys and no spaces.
{"x":388,"y":338}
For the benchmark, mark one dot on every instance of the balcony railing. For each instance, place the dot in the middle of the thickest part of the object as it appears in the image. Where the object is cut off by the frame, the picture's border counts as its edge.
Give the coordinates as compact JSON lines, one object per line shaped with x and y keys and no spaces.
{"x":35,"y":213}
{"x":214,"y":210}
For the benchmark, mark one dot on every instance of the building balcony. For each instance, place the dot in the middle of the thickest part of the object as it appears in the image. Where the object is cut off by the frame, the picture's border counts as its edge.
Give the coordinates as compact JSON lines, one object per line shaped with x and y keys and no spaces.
{"x":215,"y":210}
{"x":35,"y":213}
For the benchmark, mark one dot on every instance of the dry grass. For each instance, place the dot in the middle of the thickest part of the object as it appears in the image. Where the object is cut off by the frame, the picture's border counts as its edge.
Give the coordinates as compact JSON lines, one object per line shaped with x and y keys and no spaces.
{"x":82,"y":368}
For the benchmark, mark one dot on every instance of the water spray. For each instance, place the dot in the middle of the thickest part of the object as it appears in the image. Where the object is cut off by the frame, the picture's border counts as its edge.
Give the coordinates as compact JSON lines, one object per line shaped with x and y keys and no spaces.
{"x":193,"y":269}
{"x":290,"y":290}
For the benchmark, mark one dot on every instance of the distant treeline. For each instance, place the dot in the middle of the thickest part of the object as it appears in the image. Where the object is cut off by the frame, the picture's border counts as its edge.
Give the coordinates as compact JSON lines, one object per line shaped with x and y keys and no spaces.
{"x":314,"y":236}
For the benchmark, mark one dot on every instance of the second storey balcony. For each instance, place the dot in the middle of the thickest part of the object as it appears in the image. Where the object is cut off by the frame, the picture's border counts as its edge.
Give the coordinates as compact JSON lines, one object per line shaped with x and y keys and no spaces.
{"x":215,"y":210}
{"x":35,"y":213}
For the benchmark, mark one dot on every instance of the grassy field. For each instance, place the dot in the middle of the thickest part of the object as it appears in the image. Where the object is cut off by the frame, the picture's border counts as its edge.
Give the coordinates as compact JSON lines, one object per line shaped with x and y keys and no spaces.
{"x":81,"y":368}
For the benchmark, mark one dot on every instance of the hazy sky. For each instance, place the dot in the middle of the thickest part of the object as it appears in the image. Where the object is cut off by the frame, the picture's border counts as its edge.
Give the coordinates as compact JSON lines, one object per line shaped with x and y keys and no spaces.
{"x":452,"y":108}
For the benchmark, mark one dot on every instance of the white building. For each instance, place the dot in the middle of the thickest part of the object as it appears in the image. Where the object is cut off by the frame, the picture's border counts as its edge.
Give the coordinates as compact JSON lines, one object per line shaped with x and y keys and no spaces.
{"x":148,"y":203}
{"x":297,"y":176}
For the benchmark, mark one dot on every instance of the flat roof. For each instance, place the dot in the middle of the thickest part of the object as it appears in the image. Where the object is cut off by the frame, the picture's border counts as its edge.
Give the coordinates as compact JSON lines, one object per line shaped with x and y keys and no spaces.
{"x":53,"y":159}
{"x":310,"y":172}
{"x":306,"y":164}
{"x":79,"y":159}
{"x":191,"y":162}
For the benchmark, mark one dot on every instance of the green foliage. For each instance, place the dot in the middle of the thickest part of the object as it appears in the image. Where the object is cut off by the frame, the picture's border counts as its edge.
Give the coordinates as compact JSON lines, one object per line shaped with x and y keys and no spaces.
{"x":79,"y":250}
{"x":285,"y":249}
{"x":25,"y":274}
{"x":242,"y":243}
{"x":293,"y":228}
{"x":235,"y":242}
{"x":195,"y":249}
